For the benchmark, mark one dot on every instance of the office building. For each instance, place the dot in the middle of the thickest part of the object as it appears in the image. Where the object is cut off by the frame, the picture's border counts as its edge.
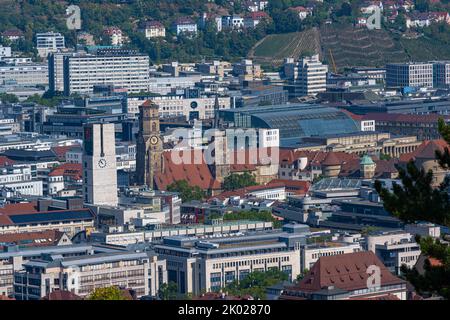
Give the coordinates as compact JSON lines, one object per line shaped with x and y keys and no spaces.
{"x":310,"y":253}
{"x":413,"y":74}
{"x":308,"y":76}
{"x":204,"y":265}
{"x":121,"y":68}
{"x":49,"y":42}
{"x":56,"y":71}
{"x":441,"y":74}
{"x":30,"y":74}
{"x":394,"y":248}
{"x":142,"y":272}
{"x":99,"y":165}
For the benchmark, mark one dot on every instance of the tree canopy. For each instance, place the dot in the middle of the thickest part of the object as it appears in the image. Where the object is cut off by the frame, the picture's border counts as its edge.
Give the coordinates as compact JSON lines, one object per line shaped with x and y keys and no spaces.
{"x":237,"y":181}
{"x":187,"y":192}
{"x":107,"y":293}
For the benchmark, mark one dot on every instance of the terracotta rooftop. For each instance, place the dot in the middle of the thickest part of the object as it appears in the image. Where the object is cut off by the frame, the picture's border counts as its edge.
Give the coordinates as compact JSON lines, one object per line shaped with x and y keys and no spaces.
{"x":426,"y":150}
{"x":32,"y":239}
{"x":195,"y":174}
{"x":345,"y":272}
{"x":5,"y":161}
{"x":61,"y":295}
{"x":331,"y":160}
{"x":19,"y":208}
{"x":72,"y":170}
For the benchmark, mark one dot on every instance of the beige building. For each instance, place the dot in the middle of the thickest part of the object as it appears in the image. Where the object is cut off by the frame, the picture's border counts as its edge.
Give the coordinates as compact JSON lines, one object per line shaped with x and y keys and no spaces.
{"x":312,"y":252}
{"x":99,"y":165}
{"x":208,"y":265}
{"x":153,"y":29}
{"x":139,"y":271}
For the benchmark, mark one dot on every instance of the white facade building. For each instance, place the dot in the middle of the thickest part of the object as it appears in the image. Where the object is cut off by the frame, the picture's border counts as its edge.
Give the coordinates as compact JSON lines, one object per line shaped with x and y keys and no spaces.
{"x":99,"y":165}
{"x":309,"y":75}
{"x":49,"y":42}
{"x":414,"y":74}
{"x":312,"y":252}
{"x":25,"y":74}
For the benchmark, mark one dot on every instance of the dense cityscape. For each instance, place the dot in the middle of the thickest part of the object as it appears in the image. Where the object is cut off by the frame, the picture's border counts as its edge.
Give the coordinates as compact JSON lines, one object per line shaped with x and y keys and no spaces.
{"x":225,"y":150}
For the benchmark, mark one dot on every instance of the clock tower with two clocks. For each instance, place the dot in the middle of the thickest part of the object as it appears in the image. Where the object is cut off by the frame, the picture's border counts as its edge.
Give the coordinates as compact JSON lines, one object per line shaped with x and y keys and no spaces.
{"x":149,"y":146}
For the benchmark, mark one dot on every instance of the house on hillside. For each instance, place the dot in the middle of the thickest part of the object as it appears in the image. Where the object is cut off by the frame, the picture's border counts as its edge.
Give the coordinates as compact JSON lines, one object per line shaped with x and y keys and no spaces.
{"x":153,"y":29}
{"x":184,"y":25}
{"x":302,"y":12}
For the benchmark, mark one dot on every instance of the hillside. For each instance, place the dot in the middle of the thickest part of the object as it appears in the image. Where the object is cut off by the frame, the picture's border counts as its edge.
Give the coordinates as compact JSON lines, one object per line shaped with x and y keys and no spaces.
{"x":275,"y":47}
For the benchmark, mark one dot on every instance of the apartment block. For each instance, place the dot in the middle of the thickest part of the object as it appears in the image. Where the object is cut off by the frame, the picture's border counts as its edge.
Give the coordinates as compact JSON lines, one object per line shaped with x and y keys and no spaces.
{"x":120,"y":68}
{"x":309,"y":75}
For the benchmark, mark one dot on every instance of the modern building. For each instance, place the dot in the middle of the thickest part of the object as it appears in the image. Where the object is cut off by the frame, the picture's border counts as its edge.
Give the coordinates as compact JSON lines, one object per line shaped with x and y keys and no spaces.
{"x":394,"y":248}
{"x":5,"y":52}
{"x":20,"y":179}
{"x":413,"y":74}
{"x":121,"y":68}
{"x":199,"y":265}
{"x":49,"y":42}
{"x":99,"y":165}
{"x":307,"y":76}
{"x":56,"y":70}
{"x":310,"y":253}
{"x":441,"y":74}
{"x":294,"y":121}
{"x":142,"y":272}
{"x":30,"y":74}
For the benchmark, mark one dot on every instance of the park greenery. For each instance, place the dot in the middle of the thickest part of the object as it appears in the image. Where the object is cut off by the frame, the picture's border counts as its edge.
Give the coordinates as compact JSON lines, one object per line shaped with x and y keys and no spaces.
{"x":256,"y":283}
{"x":107,"y":293}
{"x":237,"y":181}
{"x":187,"y":192}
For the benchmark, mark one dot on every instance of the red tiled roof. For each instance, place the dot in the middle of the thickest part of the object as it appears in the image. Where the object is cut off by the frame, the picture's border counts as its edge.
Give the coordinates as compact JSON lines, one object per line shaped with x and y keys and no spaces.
{"x":258,"y":15}
{"x":19,"y":208}
{"x":62,"y":150}
{"x":426,"y":150}
{"x":5,"y":161}
{"x":331,"y":160}
{"x":344,"y":271}
{"x":61,"y":295}
{"x":72,"y":170}
{"x":3,"y":297}
{"x":195,"y":174}
{"x":45,"y":238}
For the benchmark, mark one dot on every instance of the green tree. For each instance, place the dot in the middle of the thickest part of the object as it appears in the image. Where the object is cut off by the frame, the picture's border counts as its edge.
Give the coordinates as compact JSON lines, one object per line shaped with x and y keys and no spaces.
{"x":236,"y":181}
{"x":8,"y":98}
{"x":256,"y":283}
{"x":168,"y":291}
{"x":107,"y":293}
{"x":415,"y":200}
{"x":187,"y":192}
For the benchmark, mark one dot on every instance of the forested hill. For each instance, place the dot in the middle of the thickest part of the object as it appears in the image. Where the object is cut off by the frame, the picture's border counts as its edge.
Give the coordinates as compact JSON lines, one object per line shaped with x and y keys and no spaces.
{"x":32,"y":16}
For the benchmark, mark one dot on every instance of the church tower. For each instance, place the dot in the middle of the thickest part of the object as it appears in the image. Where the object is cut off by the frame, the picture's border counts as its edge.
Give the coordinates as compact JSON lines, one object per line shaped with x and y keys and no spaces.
{"x":149,"y":146}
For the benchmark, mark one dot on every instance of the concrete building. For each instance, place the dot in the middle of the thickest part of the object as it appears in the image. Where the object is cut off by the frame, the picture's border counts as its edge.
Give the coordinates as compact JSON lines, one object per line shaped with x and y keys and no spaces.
{"x":309,"y":75}
{"x":246,"y":70}
{"x":413,"y":74}
{"x":49,"y":42}
{"x":20,"y":180}
{"x":99,"y":165}
{"x":31,"y":74}
{"x":5,"y":52}
{"x":441,"y":74}
{"x":394,"y":248}
{"x":121,"y":68}
{"x":142,"y":272}
{"x":56,"y":70}
{"x":198,"y":265}
{"x":310,"y":253}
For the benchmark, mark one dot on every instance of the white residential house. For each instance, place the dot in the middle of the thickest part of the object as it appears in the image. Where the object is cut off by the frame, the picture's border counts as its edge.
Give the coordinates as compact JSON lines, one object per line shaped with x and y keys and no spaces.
{"x":184,"y":25}
{"x":153,"y":29}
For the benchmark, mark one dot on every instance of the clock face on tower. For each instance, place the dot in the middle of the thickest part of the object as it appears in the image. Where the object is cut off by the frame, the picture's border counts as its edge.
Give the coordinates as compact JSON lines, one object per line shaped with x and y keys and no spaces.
{"x":154,"y":140}
{"x":102,"y":163}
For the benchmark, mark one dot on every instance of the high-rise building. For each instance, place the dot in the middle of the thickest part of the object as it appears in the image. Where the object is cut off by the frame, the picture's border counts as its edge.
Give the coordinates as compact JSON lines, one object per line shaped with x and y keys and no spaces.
{"x":49,"y":42}
{"x":417,"y":74}
{"x":124,"y":69}
{"x":56,"y":70}
{"x":149,"y":144}
{"x":99,"y":164}
{"x":309,"y":75}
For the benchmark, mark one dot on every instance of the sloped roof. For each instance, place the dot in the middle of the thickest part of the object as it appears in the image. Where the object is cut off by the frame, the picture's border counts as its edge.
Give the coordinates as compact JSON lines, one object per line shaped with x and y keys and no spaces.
{"x":345,"y":271}
{"x":426,"y":150}
{"x":331,"y":160}
{"x":61,"y":295}
{"x":195,"y":174}
{"x":5,"y":161}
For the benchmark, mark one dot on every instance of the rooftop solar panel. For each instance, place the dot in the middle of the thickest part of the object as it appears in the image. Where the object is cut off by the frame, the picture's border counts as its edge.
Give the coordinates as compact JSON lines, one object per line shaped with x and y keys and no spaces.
{"x":51,"y":216}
